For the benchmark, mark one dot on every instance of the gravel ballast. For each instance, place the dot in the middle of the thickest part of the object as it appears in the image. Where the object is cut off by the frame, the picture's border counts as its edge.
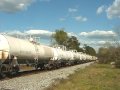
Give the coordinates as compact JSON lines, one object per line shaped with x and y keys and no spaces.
{"x":41,"y":80}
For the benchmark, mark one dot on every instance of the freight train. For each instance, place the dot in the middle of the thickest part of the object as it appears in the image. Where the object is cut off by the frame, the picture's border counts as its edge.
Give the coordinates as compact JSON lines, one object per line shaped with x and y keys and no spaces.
{"x":17,"y":55}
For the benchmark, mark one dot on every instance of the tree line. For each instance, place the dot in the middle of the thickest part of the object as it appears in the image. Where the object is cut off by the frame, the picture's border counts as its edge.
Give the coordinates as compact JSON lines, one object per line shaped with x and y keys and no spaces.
{"x":109,"y":54}
{"x":61,"y":37}
{"x":106,"y":54}
{"x":111,"y":51}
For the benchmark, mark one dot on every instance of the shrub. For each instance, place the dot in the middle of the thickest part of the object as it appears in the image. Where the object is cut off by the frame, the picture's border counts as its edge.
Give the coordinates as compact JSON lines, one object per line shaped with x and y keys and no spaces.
{"x":117,"y":64}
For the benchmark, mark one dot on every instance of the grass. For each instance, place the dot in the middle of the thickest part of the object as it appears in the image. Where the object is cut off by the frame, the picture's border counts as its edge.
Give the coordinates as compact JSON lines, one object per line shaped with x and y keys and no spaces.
{"x":95,"y":77}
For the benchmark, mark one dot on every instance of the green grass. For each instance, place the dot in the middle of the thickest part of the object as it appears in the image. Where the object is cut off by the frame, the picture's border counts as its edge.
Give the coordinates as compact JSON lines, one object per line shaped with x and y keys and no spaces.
{"x":95,"y":77}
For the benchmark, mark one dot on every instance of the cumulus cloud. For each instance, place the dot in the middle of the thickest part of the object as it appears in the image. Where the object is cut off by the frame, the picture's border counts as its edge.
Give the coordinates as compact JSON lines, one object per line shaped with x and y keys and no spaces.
{"x":101,"y":42}
{"x":42,"y":33}
{"x":98,"y":34}
{"x":72,"y":34}
{"x":98,"y":43}
{"x":100,"y":9}
{"x":44,"y":36}
{"x":80,"y":18}
{"x":15,"y":33}
{"x":41,"y":36}
{"x":72,"y":10}
{"x":113,"y":11}
{"x":12,"y":6}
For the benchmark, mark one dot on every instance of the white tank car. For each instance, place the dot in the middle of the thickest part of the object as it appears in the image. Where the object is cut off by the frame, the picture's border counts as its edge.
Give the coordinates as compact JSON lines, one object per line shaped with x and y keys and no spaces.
{"x":80,"y":55}
{"x":71,"y":55}
{"x":77,"y":56}
{"x":45,"y":52}
{"x":62,"y":54}
{"x":56,"y":54}
{"x":18,"y":54}
{"x":23,"y":54}
{"x":67,"y":55}
{"x":4,"y":48}
{"x":24,"y":49}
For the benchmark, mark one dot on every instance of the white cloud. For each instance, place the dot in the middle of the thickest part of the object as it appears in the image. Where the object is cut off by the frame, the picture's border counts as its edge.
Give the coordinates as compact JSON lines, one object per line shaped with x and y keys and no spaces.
{"x":44,"y":34}
{"x":80,"y":18}
{"x":101,"y":42}
{"x":98,"y":43}
{"x":72,"y":10}
{"x":100,"y":9}
{"x":72,"y":34}
{"x":41,"y":33}
{"x":113,"y":11}
{"x":14,"y":5}
{"x":16,"y":32}
{"x":98,"y":34}
{"x":41,"y":36}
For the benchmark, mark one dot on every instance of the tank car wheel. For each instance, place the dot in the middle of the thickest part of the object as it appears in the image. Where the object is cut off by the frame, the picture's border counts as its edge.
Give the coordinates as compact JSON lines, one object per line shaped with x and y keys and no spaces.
{"x":13,"y":70}
{"x":16,"y":69}
{"x":2,"y":74}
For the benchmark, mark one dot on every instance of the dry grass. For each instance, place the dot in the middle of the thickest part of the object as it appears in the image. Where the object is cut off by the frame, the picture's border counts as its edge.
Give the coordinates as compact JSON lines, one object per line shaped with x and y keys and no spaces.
{"x":95,"y":77}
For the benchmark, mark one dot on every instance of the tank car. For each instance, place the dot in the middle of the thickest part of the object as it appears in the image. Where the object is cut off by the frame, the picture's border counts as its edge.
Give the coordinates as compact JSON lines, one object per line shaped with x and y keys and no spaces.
{"x":17,"y":55}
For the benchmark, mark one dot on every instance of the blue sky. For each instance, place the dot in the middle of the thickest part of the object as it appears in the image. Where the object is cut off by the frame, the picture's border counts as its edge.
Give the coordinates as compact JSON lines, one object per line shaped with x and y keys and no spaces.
{"x":46,"y":14}
{"x":80,"y":17}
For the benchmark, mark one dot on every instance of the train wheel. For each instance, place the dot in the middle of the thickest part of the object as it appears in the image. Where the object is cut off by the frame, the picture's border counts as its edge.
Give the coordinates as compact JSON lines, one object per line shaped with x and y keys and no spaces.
{"x":13,"y":70}
{"x":2,"y":69}
{"x":16,"y":69}
{"x":42,"y":66}
{"x":2,"y":75}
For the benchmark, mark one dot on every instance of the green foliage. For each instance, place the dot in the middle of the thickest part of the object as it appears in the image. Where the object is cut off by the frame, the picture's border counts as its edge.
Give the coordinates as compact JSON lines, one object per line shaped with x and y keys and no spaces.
{"x":89,"y":50}
{"x":60,"y":37}
{"x":103,"y":54}
{"x":117,"y":64}
{"x":73,"y":43}
{"x":109,"y":54}
{"x":80,"y":50}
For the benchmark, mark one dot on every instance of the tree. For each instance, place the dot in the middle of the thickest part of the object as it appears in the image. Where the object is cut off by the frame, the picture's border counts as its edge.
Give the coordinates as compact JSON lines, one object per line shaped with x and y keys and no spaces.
{"x":103,"y":55}
{"x":112,"y":51}
{"x":109,"y":54}
{"x":73,"y":43}
{"x":60,"y":37}
{"x":89,"y":50}
{"x":80,"y":50}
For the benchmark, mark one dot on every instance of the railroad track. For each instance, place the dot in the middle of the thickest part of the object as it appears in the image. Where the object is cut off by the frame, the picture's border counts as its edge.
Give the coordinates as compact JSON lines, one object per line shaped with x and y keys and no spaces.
{"x":32,"y":72}
{"x":25,"y":73}
{"x":39,"y":80}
